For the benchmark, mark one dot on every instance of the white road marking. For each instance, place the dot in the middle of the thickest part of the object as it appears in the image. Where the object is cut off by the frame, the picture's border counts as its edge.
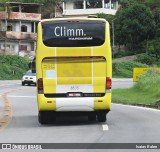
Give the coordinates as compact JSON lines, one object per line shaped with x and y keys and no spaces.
{"x":138,"y":107}
{"x":105,"y":127}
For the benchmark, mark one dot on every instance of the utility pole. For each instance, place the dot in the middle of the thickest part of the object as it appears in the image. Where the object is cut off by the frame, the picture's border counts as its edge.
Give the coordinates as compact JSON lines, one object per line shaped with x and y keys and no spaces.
{"x":6,"y":17}
{"x":113,"y":36}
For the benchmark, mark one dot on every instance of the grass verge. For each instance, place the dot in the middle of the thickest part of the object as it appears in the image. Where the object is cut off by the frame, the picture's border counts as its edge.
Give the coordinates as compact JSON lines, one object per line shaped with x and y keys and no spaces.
{"x":125,"y":69}
{"x":145,"y":92}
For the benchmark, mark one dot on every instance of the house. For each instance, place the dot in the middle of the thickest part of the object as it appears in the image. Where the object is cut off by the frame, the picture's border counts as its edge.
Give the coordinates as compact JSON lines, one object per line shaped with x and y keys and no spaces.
{"x":18,"y":28}
{"x":83,"y":8}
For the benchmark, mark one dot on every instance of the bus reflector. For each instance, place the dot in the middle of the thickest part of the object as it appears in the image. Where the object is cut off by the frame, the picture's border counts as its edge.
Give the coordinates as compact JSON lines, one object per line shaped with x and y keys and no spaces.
{"x":108,"y":83}
{"x":40,"y":84}
{"x":49,"y":101}
{"x":100,"y":100}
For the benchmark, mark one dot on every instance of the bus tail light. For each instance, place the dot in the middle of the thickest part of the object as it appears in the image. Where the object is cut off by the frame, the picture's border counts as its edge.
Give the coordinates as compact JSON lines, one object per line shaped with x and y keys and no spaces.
{"x":40,"y":84}
{"x":108,"y":83}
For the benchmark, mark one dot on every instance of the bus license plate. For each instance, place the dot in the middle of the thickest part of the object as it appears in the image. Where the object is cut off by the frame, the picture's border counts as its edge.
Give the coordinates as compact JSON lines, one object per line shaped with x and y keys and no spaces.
{"x":74,"y":94}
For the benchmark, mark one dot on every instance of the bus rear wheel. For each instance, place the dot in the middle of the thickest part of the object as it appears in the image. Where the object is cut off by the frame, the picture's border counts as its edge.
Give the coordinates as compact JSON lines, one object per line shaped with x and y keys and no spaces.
{"x":45,"y":117}
{"x":101,"y":115}
{"x":42,"y":117}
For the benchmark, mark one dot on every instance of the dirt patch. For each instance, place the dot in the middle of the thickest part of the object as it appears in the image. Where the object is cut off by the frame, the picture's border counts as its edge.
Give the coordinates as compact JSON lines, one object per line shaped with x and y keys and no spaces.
{"x":126,"y":58}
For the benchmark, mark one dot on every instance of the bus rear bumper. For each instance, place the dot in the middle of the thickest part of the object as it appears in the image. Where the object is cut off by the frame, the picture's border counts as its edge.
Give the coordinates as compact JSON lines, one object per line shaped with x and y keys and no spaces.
{"x":74,"y":104}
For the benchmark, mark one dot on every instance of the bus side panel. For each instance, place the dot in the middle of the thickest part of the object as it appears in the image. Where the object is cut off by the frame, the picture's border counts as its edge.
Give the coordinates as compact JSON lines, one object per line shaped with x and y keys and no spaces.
{"x":105,"y":104}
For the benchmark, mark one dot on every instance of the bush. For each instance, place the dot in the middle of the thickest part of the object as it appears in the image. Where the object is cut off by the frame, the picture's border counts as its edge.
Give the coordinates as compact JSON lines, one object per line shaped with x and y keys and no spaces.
{"x":148,"y":82}
{"x":146,"y":59}
{"x":125,"y":69}
{"x":12,"y":67}
{"x":123,"y":54}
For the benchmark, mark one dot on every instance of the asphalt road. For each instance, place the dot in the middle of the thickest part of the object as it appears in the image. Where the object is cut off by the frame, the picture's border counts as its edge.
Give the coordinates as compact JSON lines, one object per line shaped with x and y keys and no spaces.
{"x":125,"y":124}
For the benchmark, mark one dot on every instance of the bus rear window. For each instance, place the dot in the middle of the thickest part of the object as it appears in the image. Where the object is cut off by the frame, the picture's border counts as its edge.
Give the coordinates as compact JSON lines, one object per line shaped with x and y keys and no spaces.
{"x":72,"y":33}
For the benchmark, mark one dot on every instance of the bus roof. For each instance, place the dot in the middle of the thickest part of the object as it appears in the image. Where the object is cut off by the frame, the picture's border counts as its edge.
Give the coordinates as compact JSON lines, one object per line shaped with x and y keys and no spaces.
{"x":77,"y":18}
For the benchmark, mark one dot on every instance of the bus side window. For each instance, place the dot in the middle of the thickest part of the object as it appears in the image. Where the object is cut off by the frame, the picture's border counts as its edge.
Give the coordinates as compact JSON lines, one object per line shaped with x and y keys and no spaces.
{"x":32,"y":66}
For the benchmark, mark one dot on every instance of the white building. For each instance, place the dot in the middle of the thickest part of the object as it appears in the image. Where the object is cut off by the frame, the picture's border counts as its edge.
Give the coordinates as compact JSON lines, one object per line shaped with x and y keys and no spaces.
{"x":73,"y":8}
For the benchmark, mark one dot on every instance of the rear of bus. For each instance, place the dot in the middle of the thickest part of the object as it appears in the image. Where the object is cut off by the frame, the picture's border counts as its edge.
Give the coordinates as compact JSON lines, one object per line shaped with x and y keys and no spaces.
{"x":74,"y":68}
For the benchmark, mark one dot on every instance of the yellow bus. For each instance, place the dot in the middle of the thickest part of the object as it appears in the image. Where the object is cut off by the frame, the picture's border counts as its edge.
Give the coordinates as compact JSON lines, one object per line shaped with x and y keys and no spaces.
{"x":74,"y":68}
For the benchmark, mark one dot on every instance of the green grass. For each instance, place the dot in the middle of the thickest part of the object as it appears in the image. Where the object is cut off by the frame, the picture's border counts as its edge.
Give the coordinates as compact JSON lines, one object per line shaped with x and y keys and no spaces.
{"x":125,"y":69}
{"x":146,"y":91}
{"x":12,"y":67}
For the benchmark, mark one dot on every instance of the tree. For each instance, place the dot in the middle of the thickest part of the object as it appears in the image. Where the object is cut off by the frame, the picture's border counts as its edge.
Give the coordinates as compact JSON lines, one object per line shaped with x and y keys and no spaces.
{"x":155,"y":7}
{"x":134,"y":24}
{"x":153,"y":4}
{"x":154,"y":48}
{"x":128,"y":3}
{"x":107,"y":17}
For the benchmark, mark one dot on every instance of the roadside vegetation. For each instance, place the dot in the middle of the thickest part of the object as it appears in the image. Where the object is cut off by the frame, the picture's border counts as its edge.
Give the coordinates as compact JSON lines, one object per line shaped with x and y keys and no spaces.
{"x":125,"y":69}
{"x":136,"y":27}
{"x":12,"y":67}
{"x":144,"y":92}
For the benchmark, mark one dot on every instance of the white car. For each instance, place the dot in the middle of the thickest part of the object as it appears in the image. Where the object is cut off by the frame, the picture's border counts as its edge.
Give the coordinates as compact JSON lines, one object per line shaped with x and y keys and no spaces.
{"x":29,"y":78}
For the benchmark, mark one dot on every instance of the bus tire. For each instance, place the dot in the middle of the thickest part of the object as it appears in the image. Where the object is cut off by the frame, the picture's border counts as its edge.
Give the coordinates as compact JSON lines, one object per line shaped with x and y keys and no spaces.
{"x":101,"y":115}
{"x":23,"y":83}
{"x":42,"y":117}
{"x":45,"y":117}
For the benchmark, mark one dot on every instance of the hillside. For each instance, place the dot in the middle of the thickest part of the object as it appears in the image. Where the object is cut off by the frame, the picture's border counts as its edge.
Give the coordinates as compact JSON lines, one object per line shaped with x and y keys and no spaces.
{"x":12,"y":67}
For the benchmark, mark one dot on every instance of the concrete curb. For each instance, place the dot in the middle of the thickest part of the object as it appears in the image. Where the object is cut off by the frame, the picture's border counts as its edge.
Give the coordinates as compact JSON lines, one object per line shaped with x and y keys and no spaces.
{"x":122,"y":79}
{"x":156,"y":106}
